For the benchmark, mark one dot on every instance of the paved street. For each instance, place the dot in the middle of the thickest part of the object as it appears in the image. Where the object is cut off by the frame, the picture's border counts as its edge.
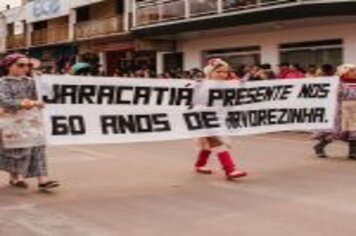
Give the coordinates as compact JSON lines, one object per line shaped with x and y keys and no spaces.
{"x":150,"y":190}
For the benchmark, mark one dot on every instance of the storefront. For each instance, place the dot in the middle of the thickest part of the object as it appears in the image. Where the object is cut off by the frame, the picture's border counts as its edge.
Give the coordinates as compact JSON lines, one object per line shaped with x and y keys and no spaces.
{"x":320,"y":44}
{"x":54,"y":58}
{"x":128,"y":55}
{"x":110,"y":55}
{"x":129,"y":61}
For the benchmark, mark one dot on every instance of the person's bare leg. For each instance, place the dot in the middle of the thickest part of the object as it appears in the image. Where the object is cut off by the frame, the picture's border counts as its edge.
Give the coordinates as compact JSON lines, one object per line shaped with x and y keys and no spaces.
{"x":20,"y":178}
{"x":42,"y":179}
{"x":18,"y":181}
{"x":13,"y":177}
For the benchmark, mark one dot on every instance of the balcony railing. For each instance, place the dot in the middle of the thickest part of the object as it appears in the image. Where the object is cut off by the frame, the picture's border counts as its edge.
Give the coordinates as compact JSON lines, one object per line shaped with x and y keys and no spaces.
{"x":149,"y":12}
{"x":205,"y":7}
{"x":155,"y":13}
{"x":59,"y":34}
{"x":229,"y":5}
{"x":16,"y":41}
{"x":99,"y":27}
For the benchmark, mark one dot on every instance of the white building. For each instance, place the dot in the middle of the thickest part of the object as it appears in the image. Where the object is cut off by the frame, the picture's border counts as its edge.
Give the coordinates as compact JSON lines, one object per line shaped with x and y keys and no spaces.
{"x":251,"y":31}
{"x":170,"y":34}
{"x":61,"y":31}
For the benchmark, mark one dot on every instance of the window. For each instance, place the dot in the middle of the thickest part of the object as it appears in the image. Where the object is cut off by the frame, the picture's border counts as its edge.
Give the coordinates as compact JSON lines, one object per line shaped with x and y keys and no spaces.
{"x":40,"y":25}
{"x":120,"y":7}
{"x":10,"y":29}
{"x":200,"y":7}
{"x":313,"y":52}
{"x":173,"y":61}
{"x":236,"y":57}
{"x":83,"y":14}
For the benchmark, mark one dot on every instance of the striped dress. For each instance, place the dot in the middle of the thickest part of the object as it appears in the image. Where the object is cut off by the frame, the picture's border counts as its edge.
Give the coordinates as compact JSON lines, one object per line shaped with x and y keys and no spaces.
{"x":28,"y":162}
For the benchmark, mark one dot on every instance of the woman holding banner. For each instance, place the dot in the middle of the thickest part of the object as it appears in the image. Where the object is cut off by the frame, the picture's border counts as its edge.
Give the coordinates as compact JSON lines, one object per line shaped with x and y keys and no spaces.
{"x":19,"y":155}
{"x":217,"y":69}
{"x":343,"y":129}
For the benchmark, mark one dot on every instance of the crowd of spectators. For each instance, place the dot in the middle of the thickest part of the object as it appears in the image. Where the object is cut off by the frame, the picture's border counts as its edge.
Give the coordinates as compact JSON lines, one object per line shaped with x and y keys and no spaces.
{"x":247,"y":73}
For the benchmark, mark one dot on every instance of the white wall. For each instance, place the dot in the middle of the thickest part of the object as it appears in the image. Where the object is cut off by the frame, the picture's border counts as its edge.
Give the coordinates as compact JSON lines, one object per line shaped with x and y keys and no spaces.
{"x":15,"y":14}
{"x":269,"y":42}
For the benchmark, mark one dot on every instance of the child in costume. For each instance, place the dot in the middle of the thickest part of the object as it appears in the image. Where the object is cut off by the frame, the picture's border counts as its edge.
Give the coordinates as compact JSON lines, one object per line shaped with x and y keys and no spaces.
{"x":217,"y":69}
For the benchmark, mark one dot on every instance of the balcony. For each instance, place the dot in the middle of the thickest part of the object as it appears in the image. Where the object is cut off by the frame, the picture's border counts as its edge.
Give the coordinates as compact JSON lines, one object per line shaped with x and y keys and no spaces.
{"x":152,"y":17}
{"x":99,"y":27}
{"x":153,"y":12}
{"x":16,"y":42}
{"x":46,"y":36}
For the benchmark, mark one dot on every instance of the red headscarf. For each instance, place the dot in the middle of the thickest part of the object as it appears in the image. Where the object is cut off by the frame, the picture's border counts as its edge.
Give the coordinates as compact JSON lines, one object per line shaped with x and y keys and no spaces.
{"x":10,"y":59}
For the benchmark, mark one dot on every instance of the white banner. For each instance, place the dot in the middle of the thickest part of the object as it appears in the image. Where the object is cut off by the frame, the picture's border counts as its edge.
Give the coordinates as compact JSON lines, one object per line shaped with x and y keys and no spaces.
{"x":88,"y":110}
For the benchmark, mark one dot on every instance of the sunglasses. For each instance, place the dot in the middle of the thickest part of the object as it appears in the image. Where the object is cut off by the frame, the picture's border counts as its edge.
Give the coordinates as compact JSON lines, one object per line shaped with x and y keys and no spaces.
{"x":23,"y":65}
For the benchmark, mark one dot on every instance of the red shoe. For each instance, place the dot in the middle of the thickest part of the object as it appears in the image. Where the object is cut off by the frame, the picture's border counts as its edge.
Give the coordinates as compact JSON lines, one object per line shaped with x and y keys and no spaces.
{"x":236,"y":174}
{"x":203,"y":170}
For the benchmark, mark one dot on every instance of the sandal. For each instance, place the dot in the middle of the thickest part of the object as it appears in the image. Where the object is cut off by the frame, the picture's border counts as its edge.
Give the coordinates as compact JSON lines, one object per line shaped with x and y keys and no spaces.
{"x":48,"y":185}
{"x":19,"y":184}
